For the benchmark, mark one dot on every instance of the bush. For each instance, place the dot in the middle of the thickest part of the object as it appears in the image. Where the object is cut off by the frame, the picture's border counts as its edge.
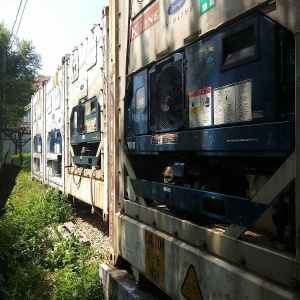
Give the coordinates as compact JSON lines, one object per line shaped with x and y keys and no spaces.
{"x":78,"y":282}
{"x":25,"y":239}
{"x":36,"y":262}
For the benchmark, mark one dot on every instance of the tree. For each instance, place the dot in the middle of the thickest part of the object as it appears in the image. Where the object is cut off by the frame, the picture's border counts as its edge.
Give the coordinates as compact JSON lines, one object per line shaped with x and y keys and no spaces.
{"x":4,"y":41}
{"x":19,"y":64}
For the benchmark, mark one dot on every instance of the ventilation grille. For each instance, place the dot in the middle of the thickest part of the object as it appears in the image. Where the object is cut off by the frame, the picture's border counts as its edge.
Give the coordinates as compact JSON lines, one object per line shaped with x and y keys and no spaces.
{"x":166,"y":96}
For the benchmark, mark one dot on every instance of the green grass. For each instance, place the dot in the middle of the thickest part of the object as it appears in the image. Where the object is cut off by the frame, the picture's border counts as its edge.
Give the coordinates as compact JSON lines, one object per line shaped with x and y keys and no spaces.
{"x":25,"y":188}
{"x":35,"y":262}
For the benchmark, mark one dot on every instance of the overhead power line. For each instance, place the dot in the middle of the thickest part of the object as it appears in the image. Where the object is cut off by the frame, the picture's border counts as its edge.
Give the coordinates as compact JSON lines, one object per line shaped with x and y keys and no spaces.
{"x":16,"y":17}
{"x":21,"y":17}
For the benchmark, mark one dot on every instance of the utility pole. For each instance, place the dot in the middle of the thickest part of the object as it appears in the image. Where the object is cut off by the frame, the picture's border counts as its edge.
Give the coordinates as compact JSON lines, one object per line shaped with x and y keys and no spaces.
{"x":2,"y":103}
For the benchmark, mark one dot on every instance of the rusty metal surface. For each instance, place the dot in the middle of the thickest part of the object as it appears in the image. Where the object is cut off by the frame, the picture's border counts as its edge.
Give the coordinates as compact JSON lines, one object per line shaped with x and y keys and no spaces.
{"x":209,"y":276}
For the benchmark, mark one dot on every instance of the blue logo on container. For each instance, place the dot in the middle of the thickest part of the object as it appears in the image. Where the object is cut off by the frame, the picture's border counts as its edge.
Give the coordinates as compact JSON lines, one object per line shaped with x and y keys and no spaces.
{"x":82,"y":87}
{"x":175,"y":6}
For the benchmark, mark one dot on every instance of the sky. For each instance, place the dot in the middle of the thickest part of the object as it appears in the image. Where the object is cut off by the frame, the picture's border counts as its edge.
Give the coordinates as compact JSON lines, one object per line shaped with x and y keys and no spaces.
{"x":55,"y":27}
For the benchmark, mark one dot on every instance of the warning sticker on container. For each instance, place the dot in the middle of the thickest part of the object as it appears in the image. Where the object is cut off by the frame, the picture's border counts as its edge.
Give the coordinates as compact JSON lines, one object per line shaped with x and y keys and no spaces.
{"x":155,"y":258}
{"x":224,"y":105}
{"x":232,"y":103}
{"x":243,"y":101}
{"x":190,"y":288}
{"x":200,"y":108}
{"x":164,"y":139}
{"x":91,"y":125}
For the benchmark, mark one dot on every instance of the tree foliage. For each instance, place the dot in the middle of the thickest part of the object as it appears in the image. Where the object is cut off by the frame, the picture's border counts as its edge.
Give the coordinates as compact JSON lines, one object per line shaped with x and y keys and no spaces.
{"x":19,"y":64}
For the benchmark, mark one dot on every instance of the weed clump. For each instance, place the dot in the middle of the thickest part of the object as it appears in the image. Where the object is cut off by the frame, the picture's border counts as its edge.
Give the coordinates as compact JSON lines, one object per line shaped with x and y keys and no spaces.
{"x":35,"y":261}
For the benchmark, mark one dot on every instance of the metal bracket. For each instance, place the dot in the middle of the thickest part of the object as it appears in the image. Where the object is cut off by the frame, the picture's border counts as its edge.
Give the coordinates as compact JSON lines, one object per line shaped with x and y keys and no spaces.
{"x":267,"y":194}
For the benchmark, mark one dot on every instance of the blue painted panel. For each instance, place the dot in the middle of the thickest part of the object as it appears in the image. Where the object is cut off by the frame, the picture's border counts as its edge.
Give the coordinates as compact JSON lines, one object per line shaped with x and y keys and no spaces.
{"x":90,"y":137}
{"x":138,"y":109}
{"x":54,"y":141}
{"x":266,"y":139}
{"x":240,"y":211}
{"x":85,"y":160}
{"x":257,"y":64}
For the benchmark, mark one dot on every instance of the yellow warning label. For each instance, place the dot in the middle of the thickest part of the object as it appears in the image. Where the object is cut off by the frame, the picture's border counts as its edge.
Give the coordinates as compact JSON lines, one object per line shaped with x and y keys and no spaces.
{"x":195,"y":110}
{"x":155,"y":258}
{"x":190,"y":288}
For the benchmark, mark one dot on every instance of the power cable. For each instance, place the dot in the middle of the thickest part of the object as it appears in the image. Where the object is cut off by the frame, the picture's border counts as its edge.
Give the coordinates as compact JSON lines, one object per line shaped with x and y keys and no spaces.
{"x":21,"y":18}
{"x":16,"y":17}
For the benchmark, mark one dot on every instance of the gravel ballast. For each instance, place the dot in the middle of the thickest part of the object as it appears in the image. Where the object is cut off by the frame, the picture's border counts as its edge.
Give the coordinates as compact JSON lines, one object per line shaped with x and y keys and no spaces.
{"x":94,"y":228}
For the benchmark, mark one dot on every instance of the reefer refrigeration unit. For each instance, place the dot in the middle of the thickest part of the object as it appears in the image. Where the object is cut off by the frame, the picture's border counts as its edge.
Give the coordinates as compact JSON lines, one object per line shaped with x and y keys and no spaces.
{"x":37,"y":134}
{"x":86,"y":141}
{"x":206,"y":111}
{"x":55,"y":127}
